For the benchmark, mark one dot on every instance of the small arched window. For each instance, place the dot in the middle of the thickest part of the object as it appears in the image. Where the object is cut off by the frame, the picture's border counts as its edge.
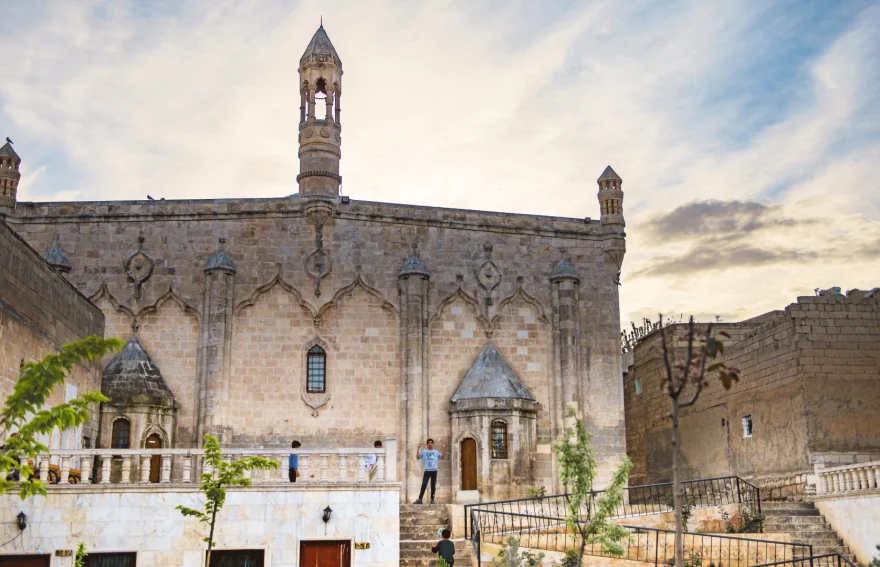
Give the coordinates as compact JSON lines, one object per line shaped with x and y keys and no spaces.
{"x":121,"y":433}
{"x":499,"y":439}
{"x":316,"y":382}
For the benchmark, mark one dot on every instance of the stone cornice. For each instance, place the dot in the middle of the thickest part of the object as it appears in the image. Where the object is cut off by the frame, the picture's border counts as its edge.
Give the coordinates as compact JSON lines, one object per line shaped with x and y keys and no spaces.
{"x":291,"y":207}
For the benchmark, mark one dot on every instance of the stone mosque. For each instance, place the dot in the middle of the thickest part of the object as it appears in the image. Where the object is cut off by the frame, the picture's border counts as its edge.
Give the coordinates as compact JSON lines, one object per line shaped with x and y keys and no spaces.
{"x":336,"y":322}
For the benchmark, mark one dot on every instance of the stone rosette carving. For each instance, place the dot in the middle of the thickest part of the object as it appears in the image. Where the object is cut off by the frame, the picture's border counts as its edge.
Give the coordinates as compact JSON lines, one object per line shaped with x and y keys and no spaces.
{"x":139,"y":267}
{"x":488,"y":274}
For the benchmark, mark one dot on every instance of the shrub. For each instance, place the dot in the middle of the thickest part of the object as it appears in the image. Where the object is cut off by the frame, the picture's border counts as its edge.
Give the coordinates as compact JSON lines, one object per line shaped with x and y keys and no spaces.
{"x":745,"y":521}
{"x":537,"y":492}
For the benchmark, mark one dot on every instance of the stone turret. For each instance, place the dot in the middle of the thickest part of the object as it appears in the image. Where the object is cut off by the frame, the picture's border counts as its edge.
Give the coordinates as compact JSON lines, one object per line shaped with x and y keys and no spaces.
{"x":320,"y":130}
{"x":9,"y":177}
{"x":611,"y":198}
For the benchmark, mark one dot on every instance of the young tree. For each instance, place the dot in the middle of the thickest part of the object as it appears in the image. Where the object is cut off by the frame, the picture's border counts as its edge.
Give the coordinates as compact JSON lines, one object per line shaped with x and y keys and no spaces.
{"x":214,"y":485}
{"x":686,"y":354}
{"x":25,"y":418}
{"x":587,"y":515}
{"x":79,"y":560}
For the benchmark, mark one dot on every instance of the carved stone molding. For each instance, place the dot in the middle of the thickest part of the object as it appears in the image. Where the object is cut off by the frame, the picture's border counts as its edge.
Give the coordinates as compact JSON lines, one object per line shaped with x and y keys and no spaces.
{"x":318,"y":263}
{"x":488,"y":275}
{"x":139,"y":267}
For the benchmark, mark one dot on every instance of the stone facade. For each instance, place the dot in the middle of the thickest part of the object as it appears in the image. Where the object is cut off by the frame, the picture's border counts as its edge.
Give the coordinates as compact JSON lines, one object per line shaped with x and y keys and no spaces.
{"x":809,"y":393}
{"x":227,"y":297}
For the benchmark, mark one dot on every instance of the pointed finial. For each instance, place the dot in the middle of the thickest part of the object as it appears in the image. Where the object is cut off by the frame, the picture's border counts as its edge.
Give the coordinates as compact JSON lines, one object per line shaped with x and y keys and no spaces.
{"x":322,"y":20}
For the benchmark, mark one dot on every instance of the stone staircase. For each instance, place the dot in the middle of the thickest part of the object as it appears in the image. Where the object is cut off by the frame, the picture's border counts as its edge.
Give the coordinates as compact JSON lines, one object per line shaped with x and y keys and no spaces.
{"x":805,"y":524}
{"x":419,"y":525}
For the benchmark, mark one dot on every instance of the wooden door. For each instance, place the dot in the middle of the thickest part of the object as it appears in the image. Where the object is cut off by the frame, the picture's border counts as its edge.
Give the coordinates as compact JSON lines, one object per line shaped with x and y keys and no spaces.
{"x":24,"y":560}
{"x":468,"y":464}
{"x":325,"y":554}
{"x":154,"y":442}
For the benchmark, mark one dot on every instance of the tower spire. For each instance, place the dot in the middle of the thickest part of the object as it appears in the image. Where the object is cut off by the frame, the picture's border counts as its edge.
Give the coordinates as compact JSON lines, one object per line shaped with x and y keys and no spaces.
{"x":320,"y":140}
{"x":9,"y":177}
{"x":610,"y":198}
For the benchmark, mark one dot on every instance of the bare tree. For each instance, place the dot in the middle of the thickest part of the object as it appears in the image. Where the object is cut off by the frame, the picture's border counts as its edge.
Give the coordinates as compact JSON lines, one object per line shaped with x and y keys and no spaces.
{"x":687,"y":351}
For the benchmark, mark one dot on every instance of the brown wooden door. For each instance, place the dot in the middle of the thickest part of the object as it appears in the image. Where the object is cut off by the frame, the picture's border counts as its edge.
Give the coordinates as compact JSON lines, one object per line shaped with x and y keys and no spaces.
{"x":468,"y":464}
{"x":325,"y":554}
{"x":154,"y":442}
{"x":24,"y":561}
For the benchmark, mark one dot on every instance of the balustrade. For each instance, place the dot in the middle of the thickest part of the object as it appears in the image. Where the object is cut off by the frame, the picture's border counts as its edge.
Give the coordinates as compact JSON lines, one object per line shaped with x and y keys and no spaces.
{"x":850,"y":478}
{"x":180,"y":466}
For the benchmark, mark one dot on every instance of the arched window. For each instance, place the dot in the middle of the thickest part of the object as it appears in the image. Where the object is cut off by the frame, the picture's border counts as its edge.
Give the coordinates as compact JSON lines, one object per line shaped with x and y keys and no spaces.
{"x":499,"y":439}
{"x":317,"y":371}
{"x":121,"y":431}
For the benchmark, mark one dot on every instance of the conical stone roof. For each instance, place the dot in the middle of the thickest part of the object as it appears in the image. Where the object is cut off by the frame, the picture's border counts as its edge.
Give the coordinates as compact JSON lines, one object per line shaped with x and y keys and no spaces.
{"x":609,"y":174}
{"x":133,"y":378}
{"x":414,"y":266}
{"x":7,"y":150}
{"x":55,"y":257}
{"x":563,"y":270}
{"x":320,"y":50}
{"x":490,"y":376}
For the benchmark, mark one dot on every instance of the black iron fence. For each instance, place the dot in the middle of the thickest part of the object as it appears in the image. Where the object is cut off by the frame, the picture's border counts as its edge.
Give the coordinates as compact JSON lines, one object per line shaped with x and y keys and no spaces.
{"x":650,"y":545}
{"x":827,"y":560}
{"x":637,"y":501}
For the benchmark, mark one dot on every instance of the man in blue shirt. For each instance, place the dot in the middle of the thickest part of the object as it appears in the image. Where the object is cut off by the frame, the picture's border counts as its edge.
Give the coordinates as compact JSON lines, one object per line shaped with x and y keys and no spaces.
{"x":293,"y":463}
{"x":429,"y":457}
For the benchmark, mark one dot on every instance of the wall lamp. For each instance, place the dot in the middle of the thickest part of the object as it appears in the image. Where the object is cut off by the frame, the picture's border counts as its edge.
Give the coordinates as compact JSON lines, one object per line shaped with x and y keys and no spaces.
{"x":326,"y":516}
{"x":22,"y":521}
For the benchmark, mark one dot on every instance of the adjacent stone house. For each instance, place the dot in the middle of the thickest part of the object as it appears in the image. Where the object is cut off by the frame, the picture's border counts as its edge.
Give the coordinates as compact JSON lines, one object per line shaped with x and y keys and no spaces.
{"x":808,"y":397}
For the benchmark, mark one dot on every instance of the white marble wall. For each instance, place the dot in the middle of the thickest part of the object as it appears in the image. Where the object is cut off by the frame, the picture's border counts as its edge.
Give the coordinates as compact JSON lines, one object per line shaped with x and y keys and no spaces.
{"x":144,"y":519}
{"x":856,"y":519}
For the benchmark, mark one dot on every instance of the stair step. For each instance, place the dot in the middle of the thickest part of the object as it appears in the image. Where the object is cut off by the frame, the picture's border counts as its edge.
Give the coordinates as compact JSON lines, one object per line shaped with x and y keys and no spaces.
{"x":779,"y":512}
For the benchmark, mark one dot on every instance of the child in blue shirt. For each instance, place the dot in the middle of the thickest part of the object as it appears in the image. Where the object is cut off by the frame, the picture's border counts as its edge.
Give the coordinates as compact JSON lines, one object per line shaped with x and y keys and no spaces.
{"x":429,"y":457}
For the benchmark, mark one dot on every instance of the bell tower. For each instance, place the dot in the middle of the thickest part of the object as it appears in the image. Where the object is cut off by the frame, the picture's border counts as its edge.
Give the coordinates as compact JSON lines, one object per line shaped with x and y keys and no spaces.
{"x":320,"y":131}
{"x":9,"y":177}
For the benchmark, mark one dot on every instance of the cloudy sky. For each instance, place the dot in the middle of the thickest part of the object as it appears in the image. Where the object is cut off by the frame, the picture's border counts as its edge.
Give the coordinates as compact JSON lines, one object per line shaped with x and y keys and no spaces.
{"x":747,"y":132}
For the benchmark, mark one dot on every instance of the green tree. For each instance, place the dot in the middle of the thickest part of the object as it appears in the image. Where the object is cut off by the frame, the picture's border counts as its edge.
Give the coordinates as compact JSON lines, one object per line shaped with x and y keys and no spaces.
{"x":79,"y":560}
{"x":25,"y":413}
{"x":214,"y":484}
{"x":686,"y":354}
{"x":587,"y":515}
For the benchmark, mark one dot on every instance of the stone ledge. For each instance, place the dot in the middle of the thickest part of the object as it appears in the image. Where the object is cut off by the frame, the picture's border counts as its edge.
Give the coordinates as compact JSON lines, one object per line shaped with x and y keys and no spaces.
{"x":194,"y":487}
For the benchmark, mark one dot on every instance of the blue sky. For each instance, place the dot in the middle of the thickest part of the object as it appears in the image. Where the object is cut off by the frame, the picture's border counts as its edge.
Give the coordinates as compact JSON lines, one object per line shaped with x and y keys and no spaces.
{"x":747,"y":133}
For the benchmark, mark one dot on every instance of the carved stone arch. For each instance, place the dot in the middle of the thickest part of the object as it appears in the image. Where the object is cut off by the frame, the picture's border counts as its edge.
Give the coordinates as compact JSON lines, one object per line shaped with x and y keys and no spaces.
{"x":266,"y":287}
{"x":104,"y":292}
{"x":315,"y":401}
{"x":158,"y":430}
{"x":467,"y":298}
{"x":520,"y":293}
{"x":169,"y":295}
{"x":347,"y":290}
{"x":456,"y":457}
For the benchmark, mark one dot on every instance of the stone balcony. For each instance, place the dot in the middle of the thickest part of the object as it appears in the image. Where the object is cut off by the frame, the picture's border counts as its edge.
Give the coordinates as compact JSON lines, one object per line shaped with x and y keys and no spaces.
{"x":99,"y":468}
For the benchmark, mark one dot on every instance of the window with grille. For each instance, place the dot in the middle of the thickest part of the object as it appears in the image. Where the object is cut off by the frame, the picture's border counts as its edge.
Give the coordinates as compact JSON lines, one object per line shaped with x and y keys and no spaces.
{"x":317,"y":371}
{"x":111,"y":559}
{"x":747,"y":426}
{"x":499,"y":440}
{"x":121,"y":429}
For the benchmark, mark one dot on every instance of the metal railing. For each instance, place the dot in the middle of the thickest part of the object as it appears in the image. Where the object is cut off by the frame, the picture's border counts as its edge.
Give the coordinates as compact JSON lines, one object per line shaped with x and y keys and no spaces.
{"x":637,"y":501}
{"x":651,"y":545}
{"x":826,"y":560}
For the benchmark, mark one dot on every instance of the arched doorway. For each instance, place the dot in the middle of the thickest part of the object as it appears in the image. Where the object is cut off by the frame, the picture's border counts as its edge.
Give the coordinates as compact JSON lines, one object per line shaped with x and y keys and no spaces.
{"x":154,"y":442}
{"x":468,"y":464}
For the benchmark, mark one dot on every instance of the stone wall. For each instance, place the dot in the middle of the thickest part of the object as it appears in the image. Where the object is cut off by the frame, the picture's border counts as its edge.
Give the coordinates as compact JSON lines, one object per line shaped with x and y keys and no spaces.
{"x":144,"y":520}
{"x":388,"y":374}
{"x":40,"y":311}
{"x":810,"y":384}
